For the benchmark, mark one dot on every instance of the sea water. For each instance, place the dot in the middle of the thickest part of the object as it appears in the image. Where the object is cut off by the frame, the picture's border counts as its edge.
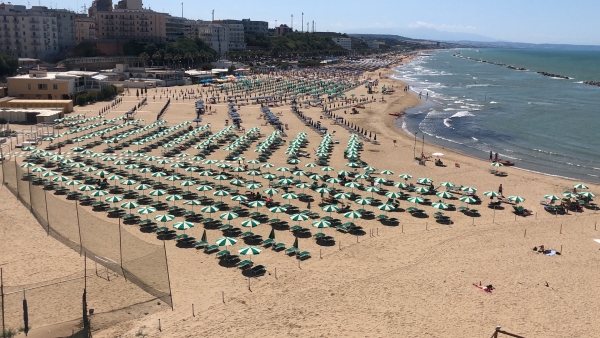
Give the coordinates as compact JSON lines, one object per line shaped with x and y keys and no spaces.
{"x":541,"y":123}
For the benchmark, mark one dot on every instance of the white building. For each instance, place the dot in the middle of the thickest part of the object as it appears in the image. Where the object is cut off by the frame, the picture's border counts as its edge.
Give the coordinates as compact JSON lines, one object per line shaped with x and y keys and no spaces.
{"x":222,"y":37}
{"x":372,"y":44}
{"x":344,"y":42}
{"x":37,"y":32}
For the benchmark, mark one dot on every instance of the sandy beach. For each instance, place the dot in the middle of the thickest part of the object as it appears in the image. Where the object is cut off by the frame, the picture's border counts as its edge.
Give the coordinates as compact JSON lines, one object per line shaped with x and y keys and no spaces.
{"x":413,"y":279}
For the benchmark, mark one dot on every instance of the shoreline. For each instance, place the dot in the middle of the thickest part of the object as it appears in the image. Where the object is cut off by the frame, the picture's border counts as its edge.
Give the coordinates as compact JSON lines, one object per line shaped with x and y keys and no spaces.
{"x":408,"y":133}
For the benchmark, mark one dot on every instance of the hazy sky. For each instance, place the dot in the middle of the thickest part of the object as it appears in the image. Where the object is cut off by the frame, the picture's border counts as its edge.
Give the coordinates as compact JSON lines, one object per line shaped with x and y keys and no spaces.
{"x":536,"y":21}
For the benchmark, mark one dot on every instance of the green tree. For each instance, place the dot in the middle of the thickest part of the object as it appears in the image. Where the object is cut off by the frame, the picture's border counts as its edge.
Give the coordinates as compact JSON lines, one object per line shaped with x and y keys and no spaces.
{"x":144,"y":56}
{"x":81,"y":99}
{"x":8,"y":65}
{"x":231,"y":70}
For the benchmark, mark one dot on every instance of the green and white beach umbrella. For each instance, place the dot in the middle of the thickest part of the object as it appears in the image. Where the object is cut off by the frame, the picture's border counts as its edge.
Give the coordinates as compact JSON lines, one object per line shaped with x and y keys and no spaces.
{"x":497,"y":164}
{"x":315,"y":177}
{"x":570,"y":194}
{"x":268,"y":165}
{"x":225,"y":241}
{"x":239,"y":198}
{"x":146,"y":210}
{"x":205,"y":173}
{"x":158,"y":174}
{"x":60,"y":179}
{"x":387,"y":172}
{"x":492,"y":194}
{"x":516,"y":199}
{"x":444,"y":194}
{"x":250,"y":223}
{"x":158,"y":192}
{"x":330,"y":208}
{"x":298,"y":217}
{"x":87,"y":188}
{"x":271,"y":191}
{"x":386,"y":207}
{"x":421,"y":190}
{"x":114,"y":199}
{"x":393,"y":194}
{"x":129,"y":182}
{"x":342,"y":196}
{"x":322,"y":190}
{"x":580,"y":186}
{"x":130,"y":205}
{"x":321,"y":224}
{"x":277,"y":209}
{"x":39,"y":170}
{"x":363,"y":201}
{"x":228,"y":216}
{"x":253,"y":172}
{"x":249,"y":251}
{"x":99,"y":193}
{"x":326,"y":169}
{"x":253,"y":186}
{"x":416,"y":200}
{"x":173,"y":198}
{"x":439,"y":205}
{"x":469,"y":190}
{"x":256,"y":204}
{"x":210,"y":209}
{"x":164,"y":218}
{"x":468,"y":199}
{"x":587,"y":194}
{"x":183,"y":225}
{"x":289,"y":196}
{"x":310,"y":165}
{"x":333,"y":180}
{"x":551,"y":197}
{"x":283,"y":169}
{"x":446,"y":185}
{"x":49,"y":174}
{"x":424,"y":180}
{"x":143,"y":187}
{"x":353,"y":215}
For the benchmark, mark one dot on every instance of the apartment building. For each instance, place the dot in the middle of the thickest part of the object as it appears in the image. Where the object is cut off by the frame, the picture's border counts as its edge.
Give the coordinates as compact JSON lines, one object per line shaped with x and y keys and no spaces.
{"x":121,"y":25}
{"x":222,"y":35}
{"x":175,"y":27}
{"x":255,"y":26}
{"x":344,"y":42}
{"x":38,"y":32}
{"x":85,"y":28}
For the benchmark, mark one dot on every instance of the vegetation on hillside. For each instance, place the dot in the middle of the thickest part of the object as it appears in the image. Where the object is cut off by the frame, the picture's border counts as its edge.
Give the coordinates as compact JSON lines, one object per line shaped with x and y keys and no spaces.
{"x":8,"y":65}
{"x":85,"y":49}
{"x":184,"y":52}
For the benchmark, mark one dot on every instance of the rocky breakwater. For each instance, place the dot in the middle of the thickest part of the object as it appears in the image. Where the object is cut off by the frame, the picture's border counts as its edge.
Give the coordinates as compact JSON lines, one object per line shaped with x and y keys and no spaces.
{"x":554,"y":75}
{"x":592,"y":83}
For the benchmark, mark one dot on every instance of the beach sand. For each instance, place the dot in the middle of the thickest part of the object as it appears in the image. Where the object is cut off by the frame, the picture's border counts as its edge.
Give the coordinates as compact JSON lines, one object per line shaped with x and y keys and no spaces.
{"x":411,"y":280}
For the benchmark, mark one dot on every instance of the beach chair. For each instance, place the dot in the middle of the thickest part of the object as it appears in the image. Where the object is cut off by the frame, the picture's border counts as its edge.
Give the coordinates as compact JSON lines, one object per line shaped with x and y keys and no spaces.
{"x":244,"y":264}
{"x":259,"y":269}
{"x":211,"y":248}
{"x":201,"y":244}
{"x":278,"y":246}
{"x":223,"y":253}
{"x":303,"y":255}
{"x":291,"y":251}
{"x":267,"y":242}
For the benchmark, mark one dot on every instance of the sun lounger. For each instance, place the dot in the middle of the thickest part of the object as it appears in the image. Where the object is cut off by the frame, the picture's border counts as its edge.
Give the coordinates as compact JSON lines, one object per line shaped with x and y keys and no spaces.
{"x":259,"y":269}
{"x":278,"y":246}
{"x":223,"y":253}
{"x":244,"y":264}
{"x":303,"y":255}
{"x":267,"y":242}
{"x":291,"y":251}
{"x":211,"y":248}
{"x":201,"y":244}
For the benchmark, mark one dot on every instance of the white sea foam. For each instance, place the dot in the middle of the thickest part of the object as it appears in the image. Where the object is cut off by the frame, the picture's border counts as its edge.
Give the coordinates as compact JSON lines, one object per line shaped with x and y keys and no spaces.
{"x":463,"y":113}
{"x":493,"y":102}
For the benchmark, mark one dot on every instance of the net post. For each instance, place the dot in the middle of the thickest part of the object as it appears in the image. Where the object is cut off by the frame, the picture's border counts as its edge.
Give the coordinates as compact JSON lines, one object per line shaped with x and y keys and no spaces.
{"x":168,"y":276}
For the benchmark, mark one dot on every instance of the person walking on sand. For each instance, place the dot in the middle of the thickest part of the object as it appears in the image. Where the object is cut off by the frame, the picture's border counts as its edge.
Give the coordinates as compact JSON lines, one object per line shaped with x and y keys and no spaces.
{"x":500,"y":190}
{"x":491,"y":156}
